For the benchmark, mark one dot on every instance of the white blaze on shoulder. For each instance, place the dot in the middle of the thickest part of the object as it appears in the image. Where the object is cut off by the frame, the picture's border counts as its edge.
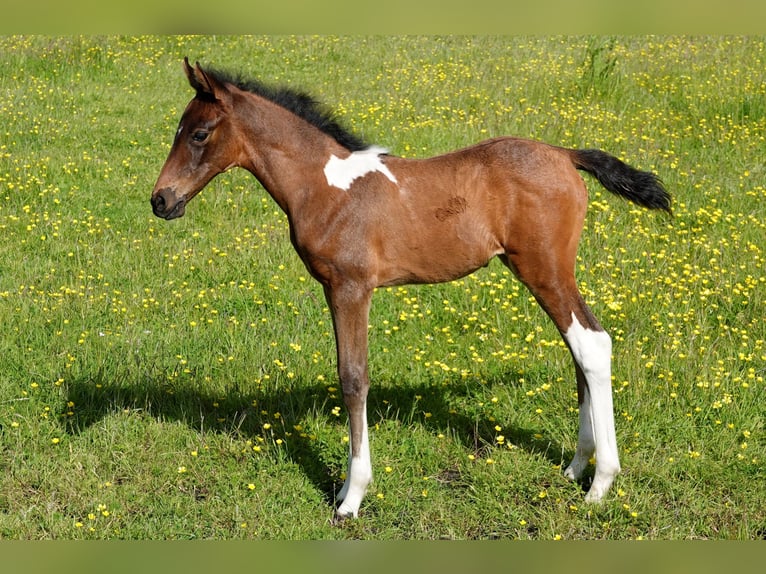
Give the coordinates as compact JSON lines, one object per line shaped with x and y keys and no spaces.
{"x":341,"y":173}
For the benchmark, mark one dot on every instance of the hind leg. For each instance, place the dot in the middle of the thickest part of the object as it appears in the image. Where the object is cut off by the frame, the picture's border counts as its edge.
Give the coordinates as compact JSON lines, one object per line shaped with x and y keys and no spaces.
{"x":586,"y":443}
{"x":554,"y":287}
{"x":591,"y":348}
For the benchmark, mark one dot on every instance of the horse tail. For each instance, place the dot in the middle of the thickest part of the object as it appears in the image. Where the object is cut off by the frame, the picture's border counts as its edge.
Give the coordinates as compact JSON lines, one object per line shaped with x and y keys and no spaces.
{"x":641,"y":187}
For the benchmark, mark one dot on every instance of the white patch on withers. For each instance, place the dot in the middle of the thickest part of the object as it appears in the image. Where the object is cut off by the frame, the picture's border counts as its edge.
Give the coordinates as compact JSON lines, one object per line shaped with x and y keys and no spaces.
{"x":341,"y":173}
{"x":593,"y":352}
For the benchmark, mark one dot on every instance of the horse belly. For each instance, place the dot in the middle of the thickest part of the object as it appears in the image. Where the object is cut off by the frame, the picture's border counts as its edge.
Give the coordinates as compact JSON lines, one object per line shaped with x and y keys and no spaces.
{"x":443,"y":253}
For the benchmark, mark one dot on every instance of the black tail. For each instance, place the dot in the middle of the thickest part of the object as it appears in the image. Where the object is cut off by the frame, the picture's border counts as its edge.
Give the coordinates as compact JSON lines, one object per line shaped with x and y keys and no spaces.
{"x":641,"y":187}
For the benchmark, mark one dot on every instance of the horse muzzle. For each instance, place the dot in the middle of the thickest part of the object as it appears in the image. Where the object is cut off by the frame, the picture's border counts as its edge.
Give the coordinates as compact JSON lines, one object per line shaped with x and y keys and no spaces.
{"x":166,"y":205}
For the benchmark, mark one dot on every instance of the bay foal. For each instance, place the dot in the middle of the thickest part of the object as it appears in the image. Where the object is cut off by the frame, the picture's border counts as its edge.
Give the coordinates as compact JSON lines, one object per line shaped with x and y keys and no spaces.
{"x":360,"y":218}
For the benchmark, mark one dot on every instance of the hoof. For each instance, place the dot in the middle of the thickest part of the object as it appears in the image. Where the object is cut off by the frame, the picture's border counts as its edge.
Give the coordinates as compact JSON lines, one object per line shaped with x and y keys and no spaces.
{"x":569,"y":474}
{"x":593,"y":498}
{"x":342,"y":516}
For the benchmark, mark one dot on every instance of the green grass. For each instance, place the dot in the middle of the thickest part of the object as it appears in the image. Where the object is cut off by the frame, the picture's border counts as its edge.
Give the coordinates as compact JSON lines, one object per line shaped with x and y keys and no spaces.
{"x":177,"y":380}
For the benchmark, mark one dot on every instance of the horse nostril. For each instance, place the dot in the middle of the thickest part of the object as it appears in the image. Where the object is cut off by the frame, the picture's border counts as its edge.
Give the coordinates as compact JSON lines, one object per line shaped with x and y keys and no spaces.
{"x":166,"y":205}
{"x":158,"y":203}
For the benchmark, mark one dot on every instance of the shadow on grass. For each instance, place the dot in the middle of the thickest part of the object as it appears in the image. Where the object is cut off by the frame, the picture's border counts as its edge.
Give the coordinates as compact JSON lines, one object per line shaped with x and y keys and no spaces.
{"x":243,"y":412}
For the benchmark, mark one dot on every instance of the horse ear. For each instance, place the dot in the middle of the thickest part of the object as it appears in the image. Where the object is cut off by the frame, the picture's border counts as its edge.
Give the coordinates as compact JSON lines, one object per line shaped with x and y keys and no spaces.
{"x":206,"y":86}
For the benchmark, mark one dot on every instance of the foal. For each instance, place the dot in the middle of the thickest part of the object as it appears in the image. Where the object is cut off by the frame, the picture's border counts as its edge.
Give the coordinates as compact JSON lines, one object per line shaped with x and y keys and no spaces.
{"x":360,"y":219}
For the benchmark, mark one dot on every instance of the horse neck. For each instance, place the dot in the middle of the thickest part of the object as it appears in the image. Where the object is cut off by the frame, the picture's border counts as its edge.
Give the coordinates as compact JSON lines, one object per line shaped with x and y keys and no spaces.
{"x":284,"y":152}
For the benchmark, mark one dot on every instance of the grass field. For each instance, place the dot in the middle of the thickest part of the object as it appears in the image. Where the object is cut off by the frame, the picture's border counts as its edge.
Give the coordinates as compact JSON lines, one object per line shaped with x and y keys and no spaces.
{"x":176,"y":380}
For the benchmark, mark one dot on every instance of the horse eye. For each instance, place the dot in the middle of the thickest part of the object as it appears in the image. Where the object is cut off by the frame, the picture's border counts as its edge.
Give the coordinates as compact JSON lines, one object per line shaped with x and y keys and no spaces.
{"x":199,"y":136}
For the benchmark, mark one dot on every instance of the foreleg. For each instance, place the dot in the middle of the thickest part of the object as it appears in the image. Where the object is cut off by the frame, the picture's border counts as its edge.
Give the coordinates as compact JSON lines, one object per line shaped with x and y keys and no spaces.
{"x":350,"y":312}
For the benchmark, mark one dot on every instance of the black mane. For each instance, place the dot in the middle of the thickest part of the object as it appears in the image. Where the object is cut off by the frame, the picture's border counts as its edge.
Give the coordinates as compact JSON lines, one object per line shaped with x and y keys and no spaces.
{"x":299,"y":103}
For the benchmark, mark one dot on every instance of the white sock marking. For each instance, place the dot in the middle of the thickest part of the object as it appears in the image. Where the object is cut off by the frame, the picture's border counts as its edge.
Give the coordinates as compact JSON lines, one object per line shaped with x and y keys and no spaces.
{"x":358,"y":477}
{"x":586,"y":444}
{"x":593,"y":352}
{"x":341,"y":173}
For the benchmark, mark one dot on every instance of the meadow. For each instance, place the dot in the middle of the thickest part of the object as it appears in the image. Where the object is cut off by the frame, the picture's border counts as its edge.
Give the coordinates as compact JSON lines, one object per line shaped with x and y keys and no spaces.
{"x":176,"y":380}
